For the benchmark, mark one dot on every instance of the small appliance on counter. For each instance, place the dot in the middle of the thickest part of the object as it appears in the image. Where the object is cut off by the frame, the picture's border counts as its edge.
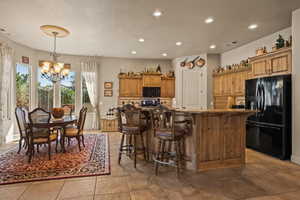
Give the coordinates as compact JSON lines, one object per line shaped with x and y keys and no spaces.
{"x":150,"y":102}
{"x":269,"y":130}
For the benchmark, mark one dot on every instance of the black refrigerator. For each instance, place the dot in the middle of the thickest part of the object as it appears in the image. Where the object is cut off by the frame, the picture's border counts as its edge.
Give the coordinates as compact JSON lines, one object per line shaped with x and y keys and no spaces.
{"x":269,"y":130}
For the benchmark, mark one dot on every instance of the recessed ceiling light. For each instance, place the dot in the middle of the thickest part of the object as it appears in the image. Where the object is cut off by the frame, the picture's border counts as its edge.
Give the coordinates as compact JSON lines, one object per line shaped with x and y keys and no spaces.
{"x":213,"y":46}
{"x":157,"y":13}
{"x":2,"y":30}
{"x":133,"y":52}
{"x":209,"y":20}
{"x":252,"y":26}
{"x":164,"y":54}
{"x":178,"y":43}
{"x":141,"y":40}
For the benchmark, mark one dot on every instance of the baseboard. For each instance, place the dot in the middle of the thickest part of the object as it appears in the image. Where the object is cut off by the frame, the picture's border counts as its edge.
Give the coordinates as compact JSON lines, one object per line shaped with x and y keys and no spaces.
{"x":295,"y":159}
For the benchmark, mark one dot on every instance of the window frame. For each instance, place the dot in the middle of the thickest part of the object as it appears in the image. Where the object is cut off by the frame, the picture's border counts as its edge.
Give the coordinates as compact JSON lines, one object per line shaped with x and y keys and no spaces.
{"x":30,"y":82}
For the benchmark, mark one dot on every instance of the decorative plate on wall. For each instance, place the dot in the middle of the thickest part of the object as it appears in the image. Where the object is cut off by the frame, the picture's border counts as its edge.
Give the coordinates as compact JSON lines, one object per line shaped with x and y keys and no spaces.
{"x":108,"y":93}
{"x":108,"y":85}
{"x":200,"y":63}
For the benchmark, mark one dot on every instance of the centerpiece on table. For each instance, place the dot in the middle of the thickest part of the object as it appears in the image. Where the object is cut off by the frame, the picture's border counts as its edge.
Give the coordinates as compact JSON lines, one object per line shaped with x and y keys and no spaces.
{"x":58,"y":113}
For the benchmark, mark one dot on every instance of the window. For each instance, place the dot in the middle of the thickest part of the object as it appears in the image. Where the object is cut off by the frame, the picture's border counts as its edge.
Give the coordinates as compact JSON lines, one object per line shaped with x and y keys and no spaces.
{"x":67,"y":91}
{"x":85,"y":96}
{"x":45,"y":92}
{"x":22,"y":85}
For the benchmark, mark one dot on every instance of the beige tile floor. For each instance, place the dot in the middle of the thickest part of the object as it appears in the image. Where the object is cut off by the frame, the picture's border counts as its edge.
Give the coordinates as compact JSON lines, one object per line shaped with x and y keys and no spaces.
{"x":263,"y":178}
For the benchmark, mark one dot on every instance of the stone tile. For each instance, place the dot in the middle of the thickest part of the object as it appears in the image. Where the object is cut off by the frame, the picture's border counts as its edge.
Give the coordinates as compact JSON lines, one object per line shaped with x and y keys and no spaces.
{"x":273,"y":183}
{"x":117,"y":196}
{"x":111,"y":185}
{"x":290,"y":196}
{"x":266,"y":198}
{"x":72,"y":189}
{"x":12,"y":192}
{"x":144,"y":195}
{"x":45,"y":191}
{"x":80,"y":198}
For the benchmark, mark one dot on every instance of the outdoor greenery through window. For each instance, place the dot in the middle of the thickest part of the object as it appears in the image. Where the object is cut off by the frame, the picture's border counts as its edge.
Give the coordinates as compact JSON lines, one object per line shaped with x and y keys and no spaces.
{"x":67,"y":90}
{"x":85,"y":96}
{"x":45,"y":92}
{"x":22,"y":85}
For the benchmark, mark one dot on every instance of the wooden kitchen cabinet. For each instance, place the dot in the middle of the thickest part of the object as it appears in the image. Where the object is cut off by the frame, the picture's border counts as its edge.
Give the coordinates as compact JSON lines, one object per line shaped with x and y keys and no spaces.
{"x":153,"y":80}
{"x":168,"y":87}
{"x":109,"y":125}
{"x":130,"y":87}
{"x":229,"y":84}
{"x":272,"y":64}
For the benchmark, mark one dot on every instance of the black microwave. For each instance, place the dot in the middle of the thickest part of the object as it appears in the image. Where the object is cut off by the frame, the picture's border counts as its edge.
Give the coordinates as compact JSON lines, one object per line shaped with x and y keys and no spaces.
{"x":151,"y":91}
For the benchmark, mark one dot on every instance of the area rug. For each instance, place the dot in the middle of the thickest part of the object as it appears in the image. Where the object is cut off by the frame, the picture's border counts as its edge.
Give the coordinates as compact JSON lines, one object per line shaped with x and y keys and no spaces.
{"x":92,"y":160}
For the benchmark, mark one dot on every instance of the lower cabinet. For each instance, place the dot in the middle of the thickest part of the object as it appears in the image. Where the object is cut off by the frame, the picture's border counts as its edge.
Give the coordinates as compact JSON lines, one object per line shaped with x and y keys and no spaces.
{"x":109,"y":125}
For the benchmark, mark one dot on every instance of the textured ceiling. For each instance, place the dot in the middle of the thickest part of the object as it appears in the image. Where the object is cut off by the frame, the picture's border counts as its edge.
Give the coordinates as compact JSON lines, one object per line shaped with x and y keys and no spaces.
{"x":113,"y":27}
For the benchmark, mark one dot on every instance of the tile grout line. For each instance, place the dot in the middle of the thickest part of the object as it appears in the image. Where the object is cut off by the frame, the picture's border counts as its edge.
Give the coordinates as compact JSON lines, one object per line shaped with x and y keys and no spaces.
{"x":60,"y":190}
{"x":95,"y":188}
{"x":24,"y":191}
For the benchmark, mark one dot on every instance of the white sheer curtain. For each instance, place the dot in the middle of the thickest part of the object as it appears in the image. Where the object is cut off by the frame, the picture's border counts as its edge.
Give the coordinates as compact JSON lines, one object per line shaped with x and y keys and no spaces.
{"x":6,"y":64}
{"x":89,"y":71}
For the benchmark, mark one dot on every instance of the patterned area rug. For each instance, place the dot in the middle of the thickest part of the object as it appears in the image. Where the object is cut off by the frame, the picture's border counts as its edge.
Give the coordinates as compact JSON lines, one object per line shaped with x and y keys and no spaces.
{"x":92,"y":160}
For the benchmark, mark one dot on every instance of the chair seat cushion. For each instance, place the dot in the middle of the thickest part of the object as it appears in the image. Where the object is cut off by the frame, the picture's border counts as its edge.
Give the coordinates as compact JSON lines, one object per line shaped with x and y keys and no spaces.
{"x":134,"y":129}
{"x":71,"y":131}
{"x":168,"y":135}
{"x":52,"y":137}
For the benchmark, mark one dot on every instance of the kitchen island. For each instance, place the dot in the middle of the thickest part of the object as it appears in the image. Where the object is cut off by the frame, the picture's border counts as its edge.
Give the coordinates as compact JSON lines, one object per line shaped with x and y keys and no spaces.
{"x":217,"y":139}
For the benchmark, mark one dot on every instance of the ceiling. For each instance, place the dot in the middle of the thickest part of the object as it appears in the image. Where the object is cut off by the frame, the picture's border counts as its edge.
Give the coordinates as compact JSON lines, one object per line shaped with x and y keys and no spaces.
{"x":113,"y":27}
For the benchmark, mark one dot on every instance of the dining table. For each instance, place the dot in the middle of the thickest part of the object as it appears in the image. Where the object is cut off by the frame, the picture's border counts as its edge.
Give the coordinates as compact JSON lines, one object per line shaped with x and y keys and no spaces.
{"x":60,"y":124}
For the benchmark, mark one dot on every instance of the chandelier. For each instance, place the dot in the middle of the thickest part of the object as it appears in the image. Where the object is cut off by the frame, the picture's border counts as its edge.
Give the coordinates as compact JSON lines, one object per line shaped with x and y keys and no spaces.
{"x":53,"y":70}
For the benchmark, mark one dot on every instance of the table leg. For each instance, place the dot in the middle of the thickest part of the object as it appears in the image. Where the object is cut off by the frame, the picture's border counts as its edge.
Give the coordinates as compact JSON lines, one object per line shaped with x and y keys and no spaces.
{"x":62,"y":140}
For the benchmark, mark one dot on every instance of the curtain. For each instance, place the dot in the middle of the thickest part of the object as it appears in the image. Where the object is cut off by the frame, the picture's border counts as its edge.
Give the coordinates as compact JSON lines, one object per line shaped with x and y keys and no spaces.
{"x":6,"y":65}
{"x":89,"y":72}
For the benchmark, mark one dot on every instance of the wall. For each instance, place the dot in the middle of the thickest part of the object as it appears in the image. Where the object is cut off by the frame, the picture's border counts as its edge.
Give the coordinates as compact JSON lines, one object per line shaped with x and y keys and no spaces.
{"x":241,"y":53}
{"x":296,"y":83}
{"x":111,"y":67}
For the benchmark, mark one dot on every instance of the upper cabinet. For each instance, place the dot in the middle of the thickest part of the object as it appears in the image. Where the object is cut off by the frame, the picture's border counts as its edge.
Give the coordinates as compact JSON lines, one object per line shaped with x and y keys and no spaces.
{"x":271,"y":64}
{"x":130,"y":86}
{"x":153,"y":80}
{"x":168,"y":87}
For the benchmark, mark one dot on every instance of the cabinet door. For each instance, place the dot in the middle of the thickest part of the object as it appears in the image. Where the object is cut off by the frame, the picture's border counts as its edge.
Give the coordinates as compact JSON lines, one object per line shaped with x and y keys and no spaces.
{"x":168,"y":88}
{"x":280,"y":63}
{"x":228,"y":84}
{"x":260,"y":67}
{"x":217,"y":82}
{"x":130,"y":87}
{"x":151,"y":80}
{"x":220,"y":102}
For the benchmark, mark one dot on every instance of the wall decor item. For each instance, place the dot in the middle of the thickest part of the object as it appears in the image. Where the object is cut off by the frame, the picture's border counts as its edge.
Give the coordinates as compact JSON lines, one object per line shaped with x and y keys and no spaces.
{"x":280,"y":42}
{"x":108,"y":85}
{"x":200,"y":63}
{"x":25,"y":59}
{"x":108,"y":93}
{"x":182,"y":64}
{"x":191,"y":64}
{"x":261,"y":51}
{"x":158,"y":69}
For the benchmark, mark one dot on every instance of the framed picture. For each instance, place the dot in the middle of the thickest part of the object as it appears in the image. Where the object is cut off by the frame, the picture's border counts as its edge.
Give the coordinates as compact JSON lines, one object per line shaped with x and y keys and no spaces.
{"x":108,"y":93}
{"x":108,"y":85}
{"x":25,"y":59}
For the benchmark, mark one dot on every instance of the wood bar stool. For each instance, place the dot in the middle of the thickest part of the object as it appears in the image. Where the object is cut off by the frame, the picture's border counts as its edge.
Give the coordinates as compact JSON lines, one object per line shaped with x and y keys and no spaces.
{"x":170,"y":134}
{"x":131,"y":127}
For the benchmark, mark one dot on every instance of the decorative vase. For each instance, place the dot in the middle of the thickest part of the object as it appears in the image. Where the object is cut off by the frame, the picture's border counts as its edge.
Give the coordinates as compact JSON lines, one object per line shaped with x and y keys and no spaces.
{"x":58,"y":113}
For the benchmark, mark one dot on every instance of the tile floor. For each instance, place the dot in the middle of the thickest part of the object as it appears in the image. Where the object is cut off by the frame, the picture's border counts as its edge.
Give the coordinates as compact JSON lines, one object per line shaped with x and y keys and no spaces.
{"x":263,"y":178}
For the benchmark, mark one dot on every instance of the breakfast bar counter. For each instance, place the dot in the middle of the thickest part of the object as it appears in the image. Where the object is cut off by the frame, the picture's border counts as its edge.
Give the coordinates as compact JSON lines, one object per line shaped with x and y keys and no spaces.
{"x":217,"y":139}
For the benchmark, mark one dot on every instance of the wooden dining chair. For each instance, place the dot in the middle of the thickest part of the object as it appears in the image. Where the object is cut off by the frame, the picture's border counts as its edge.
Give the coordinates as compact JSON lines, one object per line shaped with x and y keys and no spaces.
{"x":40,"y":131}
{"x":68,"y":110}
{"x":22,"y":122}
{"x":76,"y":131}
